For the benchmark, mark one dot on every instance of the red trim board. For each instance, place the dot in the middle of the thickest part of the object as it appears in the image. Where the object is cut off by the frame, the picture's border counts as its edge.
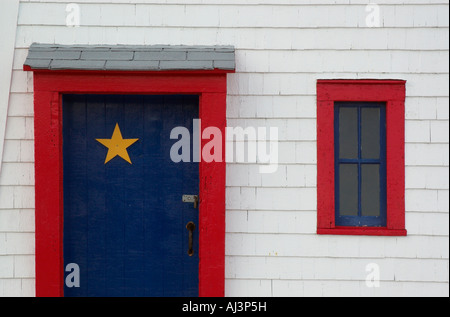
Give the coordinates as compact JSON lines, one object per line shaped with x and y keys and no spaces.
{"x":49,"y":86}
{"x":393,"y":93}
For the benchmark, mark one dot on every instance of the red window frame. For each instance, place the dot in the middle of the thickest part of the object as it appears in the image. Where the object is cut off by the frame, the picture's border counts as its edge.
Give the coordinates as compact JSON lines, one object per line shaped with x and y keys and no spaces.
{"x":49,"y":86}
{"x":392,"y":92}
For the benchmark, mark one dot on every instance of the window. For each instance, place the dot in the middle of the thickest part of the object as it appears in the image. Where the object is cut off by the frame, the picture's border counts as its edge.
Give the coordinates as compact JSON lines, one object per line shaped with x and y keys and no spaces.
{"x":360,"y":164}
{"x":360,"y":147}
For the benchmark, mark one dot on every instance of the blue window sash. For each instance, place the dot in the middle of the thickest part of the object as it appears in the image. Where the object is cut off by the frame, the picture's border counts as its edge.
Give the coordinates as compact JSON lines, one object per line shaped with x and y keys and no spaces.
{"x":360,"y":220}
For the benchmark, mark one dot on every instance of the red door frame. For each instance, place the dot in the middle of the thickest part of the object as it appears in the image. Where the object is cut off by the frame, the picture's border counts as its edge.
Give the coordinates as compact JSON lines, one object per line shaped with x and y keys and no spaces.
{"x":49,"y":86}
{"x":392,"y":92}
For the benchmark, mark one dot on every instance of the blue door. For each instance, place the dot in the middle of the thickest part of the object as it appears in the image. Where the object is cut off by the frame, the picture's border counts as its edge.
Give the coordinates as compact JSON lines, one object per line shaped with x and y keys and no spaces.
{"x":125,"y":224}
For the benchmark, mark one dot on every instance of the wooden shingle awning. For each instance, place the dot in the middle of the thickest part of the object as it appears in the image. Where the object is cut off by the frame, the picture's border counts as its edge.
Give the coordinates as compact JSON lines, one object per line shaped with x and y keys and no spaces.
{"x":129,"y":57}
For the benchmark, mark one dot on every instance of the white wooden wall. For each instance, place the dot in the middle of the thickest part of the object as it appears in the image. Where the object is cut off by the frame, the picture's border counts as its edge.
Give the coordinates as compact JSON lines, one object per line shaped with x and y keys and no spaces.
{"x":283,"y":47}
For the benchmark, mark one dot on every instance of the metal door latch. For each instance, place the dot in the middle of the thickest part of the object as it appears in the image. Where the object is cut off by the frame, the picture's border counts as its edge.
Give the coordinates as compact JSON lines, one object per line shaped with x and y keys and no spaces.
{"x":191,"y":227}
{"x":191,"y":199}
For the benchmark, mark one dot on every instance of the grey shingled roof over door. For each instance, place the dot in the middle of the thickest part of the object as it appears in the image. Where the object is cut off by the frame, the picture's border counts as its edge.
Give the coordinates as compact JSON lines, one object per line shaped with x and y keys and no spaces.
{"x":130,"y":57}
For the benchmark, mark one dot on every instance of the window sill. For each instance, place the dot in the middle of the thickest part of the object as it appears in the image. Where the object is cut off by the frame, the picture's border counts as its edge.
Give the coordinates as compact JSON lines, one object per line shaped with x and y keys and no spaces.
{"x":363,"y":231}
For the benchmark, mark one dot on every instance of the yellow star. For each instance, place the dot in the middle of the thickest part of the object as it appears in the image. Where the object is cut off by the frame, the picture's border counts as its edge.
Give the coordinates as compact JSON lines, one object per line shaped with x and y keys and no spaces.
{"x":117,"y":145}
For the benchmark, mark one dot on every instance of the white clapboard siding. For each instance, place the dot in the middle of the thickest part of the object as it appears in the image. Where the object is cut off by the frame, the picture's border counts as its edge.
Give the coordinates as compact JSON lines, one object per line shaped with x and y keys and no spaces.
{"x":243,"y":38}
{"x":282,"y":48}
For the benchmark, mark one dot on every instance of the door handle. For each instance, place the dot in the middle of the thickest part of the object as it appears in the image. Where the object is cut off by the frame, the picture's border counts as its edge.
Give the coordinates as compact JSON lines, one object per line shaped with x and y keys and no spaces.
{"x":191,"y":227}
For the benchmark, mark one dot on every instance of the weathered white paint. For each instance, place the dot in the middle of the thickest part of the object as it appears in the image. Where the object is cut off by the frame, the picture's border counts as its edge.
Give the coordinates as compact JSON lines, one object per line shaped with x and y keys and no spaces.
{"x":8,"y":24}
{"x":283,"y":47}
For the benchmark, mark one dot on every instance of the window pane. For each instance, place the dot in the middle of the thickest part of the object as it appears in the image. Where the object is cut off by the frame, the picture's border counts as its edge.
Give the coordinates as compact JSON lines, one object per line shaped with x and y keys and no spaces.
{"x":348,"y":190}
{"x":348,"y":132}
{"x":370,"y":190}
{"x":370,"y":133}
